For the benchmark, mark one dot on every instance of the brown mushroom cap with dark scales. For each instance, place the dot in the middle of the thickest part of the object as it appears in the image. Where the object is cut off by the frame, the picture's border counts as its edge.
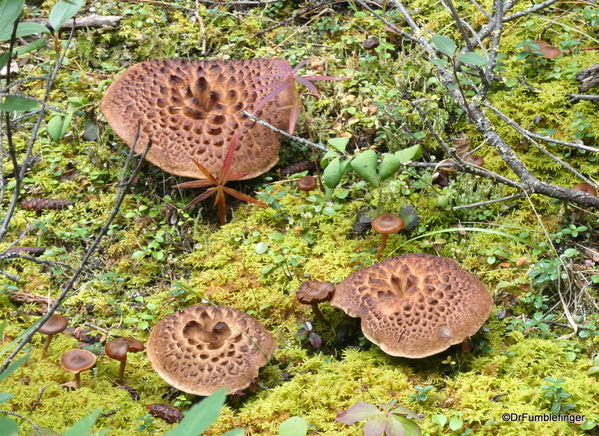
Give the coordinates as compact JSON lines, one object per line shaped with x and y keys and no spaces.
{"x":415,"y":305}
{"x":203,"y":348}
{"x":190,"y":109}
{"x":54,"y":325}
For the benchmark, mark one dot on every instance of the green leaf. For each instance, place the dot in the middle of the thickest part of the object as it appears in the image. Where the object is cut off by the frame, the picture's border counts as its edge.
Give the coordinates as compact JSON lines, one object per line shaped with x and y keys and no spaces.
{"x":389,"y":166}
{"x":35,"y":45}
{"x":444,"y":44}
{"x":5,"y":396}
{"x":440,"y":420}
{"x":13,"y":366}
{"x":8,"y":427}
{"x":17,"y":104}
{"x":589,"y":424}
{"x":24,"y":29}
{"x":472,"y":58}
{"x":261,"y":247}
{"x":201,"y":416}
{"x":9,"y":12}
{"x":44,"y":431}
{"x":365,"y":164}
{"x":409,"y":426}
{"x":54,"y":128}
{"x":84,"y":425}
{"x":358,"y":412}
{"x":332,"y":173}
{"x":63,"y":11}
{"x":294,"y":426}
{"x":408,"y":154}
{"x":455,"y":424}
{"x":4,"y":57}
{"x":338,"y":144}
{"x":138,"y":254}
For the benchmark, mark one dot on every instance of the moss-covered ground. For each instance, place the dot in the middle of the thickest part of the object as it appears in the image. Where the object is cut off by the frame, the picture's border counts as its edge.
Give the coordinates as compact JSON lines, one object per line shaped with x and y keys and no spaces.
{"x":158,"y":257}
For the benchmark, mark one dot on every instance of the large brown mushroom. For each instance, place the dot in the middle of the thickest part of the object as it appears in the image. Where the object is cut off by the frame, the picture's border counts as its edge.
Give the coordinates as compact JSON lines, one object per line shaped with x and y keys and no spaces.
{"x":118,"y":349}
{"x":386,"y":224}
{"x":313,"y":292}
{"x":76,"y":361}
{"x":190,"y":110}
{"x":53,"y":325}
{"x":201,"y":349}
{"x":415,"y":305}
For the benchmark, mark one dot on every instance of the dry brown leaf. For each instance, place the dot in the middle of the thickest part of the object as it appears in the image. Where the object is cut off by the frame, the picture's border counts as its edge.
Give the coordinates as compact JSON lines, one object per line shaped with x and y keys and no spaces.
{"x":461,"y":144}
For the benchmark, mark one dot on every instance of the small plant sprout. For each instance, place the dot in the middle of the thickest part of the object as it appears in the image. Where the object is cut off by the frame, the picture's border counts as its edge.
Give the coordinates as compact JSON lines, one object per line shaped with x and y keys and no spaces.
{"x":384,"y":419}
{"x":225,"y":175}
{"x":288,"y":76}
{"x":421,"y":393}
{"x":557,"y":395}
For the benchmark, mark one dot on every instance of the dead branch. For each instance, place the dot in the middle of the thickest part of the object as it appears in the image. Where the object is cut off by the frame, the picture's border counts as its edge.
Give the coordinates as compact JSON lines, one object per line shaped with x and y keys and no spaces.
{"x":93,"y":21}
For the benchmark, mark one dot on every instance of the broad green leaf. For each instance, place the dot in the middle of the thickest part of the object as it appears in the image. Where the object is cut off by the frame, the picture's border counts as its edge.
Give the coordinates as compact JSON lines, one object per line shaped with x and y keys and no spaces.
{"x":389,"y":166}
{"x":332,"y":173}
{"x":455,"y":424}
{"x":338,"y":143}
{"x":394,"y":427}
{"x":589,"y":424}
{"x":13,"y":366}
{"x":261,"y":247}
{"x":294,"y":426}
{"x":358,"y":412}
{"x":8,"y":427}
{"x":4,"y":57}
{"x":201,"y":416}
{"x":17,"y":104}
{"x":84,"y":425}
{"x":63,"y":11}
{"x":472,"y":58}
{"x":67,"y":123}
{"x":9,"y":12}
{"x":24,"y":29}
{"x":444,"y":44}
{"x":408,"y":154}
{"x":44,"y":431}
{"x":54,"y":128}
{"x":365,"y":164}
{"x":410,"y":427}
{"x":5,"y":396}
{"x":35,"y":45}
{"x":2,"y":328}
{"x":440,"y":420}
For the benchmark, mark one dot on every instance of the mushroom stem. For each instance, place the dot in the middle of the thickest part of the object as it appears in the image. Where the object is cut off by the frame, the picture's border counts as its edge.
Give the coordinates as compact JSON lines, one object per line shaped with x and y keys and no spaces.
{"x":317,"y":312}
{"x":121,"y":376}
{"x":77,"y":380}
{"x":46,"y":345}
{"x":382,"y":246}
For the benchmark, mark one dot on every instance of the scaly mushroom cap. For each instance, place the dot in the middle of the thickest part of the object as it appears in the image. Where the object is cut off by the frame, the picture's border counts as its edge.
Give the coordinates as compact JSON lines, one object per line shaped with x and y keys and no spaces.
{"x":415,"y":305}
{"x":190,"y":109}
{"x":55,"y":324}
{"x":77,"y":360}
{"x":313,"y":291}
{"x":201,"y":349}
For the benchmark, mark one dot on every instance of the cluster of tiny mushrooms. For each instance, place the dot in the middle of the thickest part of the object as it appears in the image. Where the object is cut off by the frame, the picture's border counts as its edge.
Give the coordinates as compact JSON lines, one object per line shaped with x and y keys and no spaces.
{"x":413,"y":306}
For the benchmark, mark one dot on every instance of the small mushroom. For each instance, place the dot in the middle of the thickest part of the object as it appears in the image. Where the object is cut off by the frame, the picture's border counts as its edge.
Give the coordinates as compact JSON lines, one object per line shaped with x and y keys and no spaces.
{"x":371,"y":43}
{"x":201,"y":349}
{"x":306,"y":184}
{"x":587,"y":189}
{"x":53,"y":325}
{"x":118,"y":348}
{"x":475,"y":160}
{"x":313,"y":292}
{"x":415,"y":305}
{"x":76,"y":361}
{"x":386,"y":224}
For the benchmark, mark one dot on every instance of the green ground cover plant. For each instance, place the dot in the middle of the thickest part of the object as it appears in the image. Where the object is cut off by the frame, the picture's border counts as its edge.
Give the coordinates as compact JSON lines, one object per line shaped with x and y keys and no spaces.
{"x":446,"y":80}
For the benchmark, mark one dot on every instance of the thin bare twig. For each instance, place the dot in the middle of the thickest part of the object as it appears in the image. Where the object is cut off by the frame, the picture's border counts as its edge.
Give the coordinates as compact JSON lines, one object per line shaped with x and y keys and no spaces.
{"x":497,"y":200}
{"x":284,"y":133}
